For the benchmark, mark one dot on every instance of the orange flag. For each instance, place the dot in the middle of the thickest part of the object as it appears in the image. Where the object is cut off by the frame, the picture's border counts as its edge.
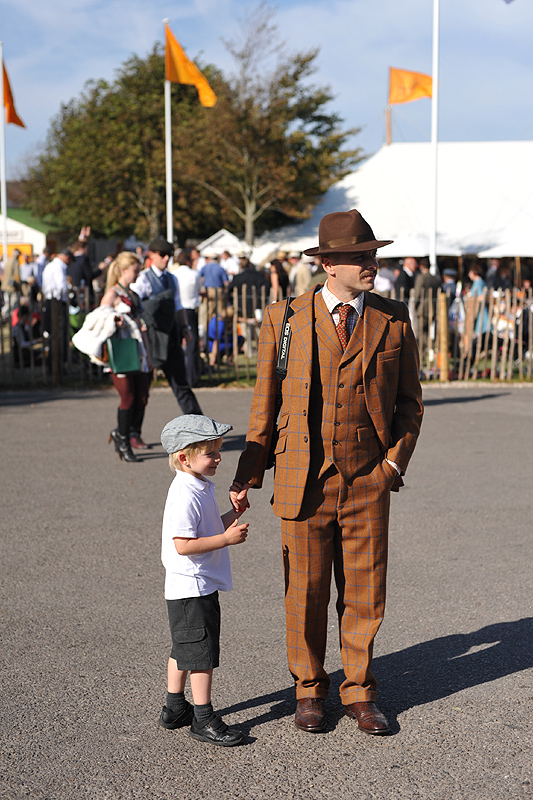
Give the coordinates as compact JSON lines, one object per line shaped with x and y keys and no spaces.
{"x":178,"y":69}
{"x":11,"y":114}
{"x":405,"y":86}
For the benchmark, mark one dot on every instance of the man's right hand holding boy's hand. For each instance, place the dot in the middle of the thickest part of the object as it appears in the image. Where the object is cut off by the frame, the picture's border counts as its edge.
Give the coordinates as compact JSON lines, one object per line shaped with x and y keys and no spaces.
{"x":236,"y":533}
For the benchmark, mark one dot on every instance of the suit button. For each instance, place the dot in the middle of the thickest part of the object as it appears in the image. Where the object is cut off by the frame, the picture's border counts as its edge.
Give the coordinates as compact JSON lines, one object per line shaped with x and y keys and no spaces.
{"x":337,"y":424}
{"x":305,"y":413}
{"x":306,"y":385}
{"x":341,"y":385}
{"x":335,"y":441}
{"x":305,"y":439}
{"x":339,"y":405}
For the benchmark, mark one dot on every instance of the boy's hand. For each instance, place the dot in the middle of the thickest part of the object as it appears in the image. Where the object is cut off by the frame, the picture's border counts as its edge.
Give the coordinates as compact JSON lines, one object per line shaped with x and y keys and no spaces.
{"x":236,"y":533}
{"x":238,"y":495}
{"x":240,"y":511}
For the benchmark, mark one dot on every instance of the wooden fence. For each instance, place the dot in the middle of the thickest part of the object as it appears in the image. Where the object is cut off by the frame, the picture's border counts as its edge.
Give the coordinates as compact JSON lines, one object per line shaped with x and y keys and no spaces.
{"x":467,"y":339}
{"x":470,"y":338}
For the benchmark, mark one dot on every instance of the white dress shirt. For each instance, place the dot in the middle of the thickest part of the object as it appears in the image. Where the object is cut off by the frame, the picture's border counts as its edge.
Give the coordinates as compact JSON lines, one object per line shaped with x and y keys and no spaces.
{"x":54,"y":281}
{"x":333,"y":303}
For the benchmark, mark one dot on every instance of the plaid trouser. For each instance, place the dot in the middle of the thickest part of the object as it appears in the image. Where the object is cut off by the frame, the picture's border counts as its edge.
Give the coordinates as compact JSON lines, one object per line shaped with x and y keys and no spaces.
{"x":344,"y":527}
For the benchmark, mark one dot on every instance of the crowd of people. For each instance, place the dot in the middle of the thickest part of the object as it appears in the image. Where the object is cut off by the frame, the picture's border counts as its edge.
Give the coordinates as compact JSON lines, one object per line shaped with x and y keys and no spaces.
{"x":183,"y":304}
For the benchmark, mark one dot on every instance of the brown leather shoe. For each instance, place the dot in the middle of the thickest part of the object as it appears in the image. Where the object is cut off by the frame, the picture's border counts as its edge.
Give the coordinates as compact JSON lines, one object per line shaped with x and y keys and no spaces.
{"x":310,"y":715}
{"x":369,"y":718}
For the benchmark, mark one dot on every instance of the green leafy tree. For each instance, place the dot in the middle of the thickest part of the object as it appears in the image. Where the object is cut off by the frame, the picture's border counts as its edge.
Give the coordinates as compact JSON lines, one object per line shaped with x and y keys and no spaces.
{"x":104,"y":160}
{"x":266,"y":152}
{"x":276,"y":150}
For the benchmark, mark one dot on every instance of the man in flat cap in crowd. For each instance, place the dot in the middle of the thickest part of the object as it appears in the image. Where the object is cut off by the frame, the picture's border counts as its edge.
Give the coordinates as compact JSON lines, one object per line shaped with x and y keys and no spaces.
{"x":167,"y":325}
{"x":348,"y":426}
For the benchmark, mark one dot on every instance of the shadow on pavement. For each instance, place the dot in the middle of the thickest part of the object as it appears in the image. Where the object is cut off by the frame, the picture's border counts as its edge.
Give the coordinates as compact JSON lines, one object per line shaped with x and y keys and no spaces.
{"x":432,"y":670}
{"x":234,"y":442}
{"x":26,"y":398}
{"x":463,"y":399}
{"x":422,"y":673}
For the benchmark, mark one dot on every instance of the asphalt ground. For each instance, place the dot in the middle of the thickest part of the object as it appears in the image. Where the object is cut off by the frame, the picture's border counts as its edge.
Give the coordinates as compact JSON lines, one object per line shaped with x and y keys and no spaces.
{"x":85,"y":635}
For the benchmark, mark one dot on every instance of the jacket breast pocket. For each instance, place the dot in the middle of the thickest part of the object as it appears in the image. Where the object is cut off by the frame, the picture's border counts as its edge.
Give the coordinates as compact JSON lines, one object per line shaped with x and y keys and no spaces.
{"x":389,"y":355}
{"x":388,"y":372}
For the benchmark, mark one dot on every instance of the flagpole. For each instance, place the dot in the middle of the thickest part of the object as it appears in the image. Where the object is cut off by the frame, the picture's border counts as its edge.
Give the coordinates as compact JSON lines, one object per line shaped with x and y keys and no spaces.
{"x":3,"y":192}
{"x":434,"y":141}
{"x":168,"y":158}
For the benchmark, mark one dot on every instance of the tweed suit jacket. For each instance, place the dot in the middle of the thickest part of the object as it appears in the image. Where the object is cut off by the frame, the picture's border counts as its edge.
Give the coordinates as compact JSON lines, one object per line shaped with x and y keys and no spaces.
{"x":391,"y":386}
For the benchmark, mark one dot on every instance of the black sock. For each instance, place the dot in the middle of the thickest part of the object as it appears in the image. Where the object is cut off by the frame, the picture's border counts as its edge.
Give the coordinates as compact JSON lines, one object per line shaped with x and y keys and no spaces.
{"x":203,"y":714}
{"x":176,"y":701}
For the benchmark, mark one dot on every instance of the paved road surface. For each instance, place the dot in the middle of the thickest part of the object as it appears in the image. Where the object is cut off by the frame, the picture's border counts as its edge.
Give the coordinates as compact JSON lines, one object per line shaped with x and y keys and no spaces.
{"x":84,"y":629}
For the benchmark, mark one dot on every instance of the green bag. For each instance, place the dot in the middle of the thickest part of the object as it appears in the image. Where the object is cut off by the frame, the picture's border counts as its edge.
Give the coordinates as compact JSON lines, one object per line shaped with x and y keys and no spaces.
{"x":123,"y":355}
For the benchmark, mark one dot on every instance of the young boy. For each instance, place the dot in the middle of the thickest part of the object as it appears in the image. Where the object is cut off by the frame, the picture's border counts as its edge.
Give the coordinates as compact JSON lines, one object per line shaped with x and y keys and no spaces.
{"x":196,"y":559}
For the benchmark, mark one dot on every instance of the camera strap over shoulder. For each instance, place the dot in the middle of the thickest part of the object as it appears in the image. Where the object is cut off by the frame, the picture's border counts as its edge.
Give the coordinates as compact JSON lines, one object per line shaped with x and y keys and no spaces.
{"x":284,"y":343}
{"x":281,"y":373}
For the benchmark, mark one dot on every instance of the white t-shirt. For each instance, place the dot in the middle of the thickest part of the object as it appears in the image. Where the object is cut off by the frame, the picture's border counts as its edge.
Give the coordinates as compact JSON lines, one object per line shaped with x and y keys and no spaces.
{"x":191,"y":511}
{"x":190,"y":284}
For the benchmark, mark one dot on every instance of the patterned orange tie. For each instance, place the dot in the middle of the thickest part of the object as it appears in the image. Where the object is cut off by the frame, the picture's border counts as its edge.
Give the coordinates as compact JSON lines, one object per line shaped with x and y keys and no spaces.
{"x":341,"y":325}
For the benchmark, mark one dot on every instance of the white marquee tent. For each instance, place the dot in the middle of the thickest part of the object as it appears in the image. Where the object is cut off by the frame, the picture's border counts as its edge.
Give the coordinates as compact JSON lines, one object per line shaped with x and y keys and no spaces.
{"x":485,"y":200}
{"x":223,"y":240}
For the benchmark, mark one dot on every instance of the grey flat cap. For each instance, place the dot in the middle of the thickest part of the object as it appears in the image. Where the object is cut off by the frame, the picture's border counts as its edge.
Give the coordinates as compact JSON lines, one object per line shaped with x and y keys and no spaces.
{"x":190,"y":428}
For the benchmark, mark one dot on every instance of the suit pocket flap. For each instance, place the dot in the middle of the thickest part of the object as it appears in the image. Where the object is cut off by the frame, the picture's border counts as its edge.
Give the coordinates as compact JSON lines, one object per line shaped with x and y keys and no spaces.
{"x":283,"y":422}
{"x":281,"y":444}
{"x":386,"y":354}
{"x":187,"y":635}
{"x":365,"y":433}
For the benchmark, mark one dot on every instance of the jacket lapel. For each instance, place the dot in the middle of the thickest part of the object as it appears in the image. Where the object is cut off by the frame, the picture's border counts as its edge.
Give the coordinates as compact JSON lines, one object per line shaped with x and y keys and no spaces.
{"x":301,"y":323}
{"x":367,"y":333}
{"x":375,"y":323}
{"x":325,"y":329}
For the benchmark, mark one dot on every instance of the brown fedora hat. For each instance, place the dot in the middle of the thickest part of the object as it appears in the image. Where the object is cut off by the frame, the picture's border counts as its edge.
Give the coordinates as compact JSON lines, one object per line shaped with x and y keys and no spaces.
{"x":344,"y":232}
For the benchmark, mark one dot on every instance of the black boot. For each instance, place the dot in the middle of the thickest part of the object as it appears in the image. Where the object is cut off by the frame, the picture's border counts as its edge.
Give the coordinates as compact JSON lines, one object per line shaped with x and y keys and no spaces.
{"x":121,"y":435}
{"x":123,"y":446}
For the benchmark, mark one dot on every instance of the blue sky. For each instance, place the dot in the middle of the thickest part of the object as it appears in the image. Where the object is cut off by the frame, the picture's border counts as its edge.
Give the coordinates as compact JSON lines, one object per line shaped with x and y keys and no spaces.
{"x":52,"y":47}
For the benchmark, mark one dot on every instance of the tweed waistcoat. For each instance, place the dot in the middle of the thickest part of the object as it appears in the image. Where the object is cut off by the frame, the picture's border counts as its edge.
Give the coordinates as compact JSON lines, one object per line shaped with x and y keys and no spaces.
{"x":340,"y":427}
{"x":376,"y":378}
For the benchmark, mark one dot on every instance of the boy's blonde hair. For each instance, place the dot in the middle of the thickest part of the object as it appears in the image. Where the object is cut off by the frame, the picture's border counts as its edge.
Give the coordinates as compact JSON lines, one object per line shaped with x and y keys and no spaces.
{"x":191,"y":451}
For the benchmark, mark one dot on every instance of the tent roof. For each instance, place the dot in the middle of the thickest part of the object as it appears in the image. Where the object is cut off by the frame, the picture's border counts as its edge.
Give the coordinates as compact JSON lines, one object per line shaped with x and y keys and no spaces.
{"x":223,"y":240}
{"x":485,"y":197}
{"x":26,"y":218}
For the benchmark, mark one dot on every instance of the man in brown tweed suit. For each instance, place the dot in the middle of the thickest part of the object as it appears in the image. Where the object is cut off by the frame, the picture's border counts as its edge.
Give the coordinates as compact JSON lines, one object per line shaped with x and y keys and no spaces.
{"x":348,"y":426}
